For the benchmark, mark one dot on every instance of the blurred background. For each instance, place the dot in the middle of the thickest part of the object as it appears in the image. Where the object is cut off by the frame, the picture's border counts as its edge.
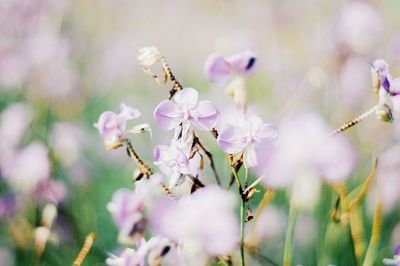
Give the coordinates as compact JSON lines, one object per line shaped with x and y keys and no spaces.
{"x":62,"y":63}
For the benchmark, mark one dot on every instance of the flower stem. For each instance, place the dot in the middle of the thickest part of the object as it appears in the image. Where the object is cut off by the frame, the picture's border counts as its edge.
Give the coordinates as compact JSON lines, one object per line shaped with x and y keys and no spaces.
{"x":355,"y":121}
{"x":242,"y":219}
{"x":287,"y":255}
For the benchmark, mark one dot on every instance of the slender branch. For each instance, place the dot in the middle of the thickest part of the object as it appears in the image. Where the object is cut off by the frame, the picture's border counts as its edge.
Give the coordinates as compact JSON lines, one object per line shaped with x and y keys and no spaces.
{"x":355,"y":121}
{"x":176,"y":86}
{"x":197,"y":141}
{"x":85,"y":249}
{"x":242,"y":220}
{"x":144,"y":169}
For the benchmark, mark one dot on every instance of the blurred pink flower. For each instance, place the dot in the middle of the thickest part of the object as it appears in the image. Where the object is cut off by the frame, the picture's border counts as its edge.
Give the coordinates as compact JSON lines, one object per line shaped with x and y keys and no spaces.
{"x":123,"y":205}
{"x":112,"y":126}
{"x":29,"y":167}
{"x":67,"y":149}
{"x":249,"y":132}
{"x":220,"y":70}
{"x":51,"y":191}
{"x":203,"y":222}
{"x":354,"y":81}
{"x":185,"y":108}
{"x":304,"y":148}
{"x":360,"y":26}
{"x":396,"y":257}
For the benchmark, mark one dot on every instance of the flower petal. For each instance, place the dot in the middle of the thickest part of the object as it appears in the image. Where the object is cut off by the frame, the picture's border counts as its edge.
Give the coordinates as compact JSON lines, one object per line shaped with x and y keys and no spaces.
{"x":108,"y":125}
{"x":205,"y":116}
{"x":266,"y":132}
{"x":127,"y":113}
{"x":168,"y":115}
{"x":187,"y":98}
{"x":217,"y":70}
{"x":232,"y":140}
{"x":243,"y":63}
{"x":250,"y":156}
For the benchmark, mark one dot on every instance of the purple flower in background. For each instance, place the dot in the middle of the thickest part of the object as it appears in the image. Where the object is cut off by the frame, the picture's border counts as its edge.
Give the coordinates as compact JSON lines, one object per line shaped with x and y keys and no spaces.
{"x":112,"y":126}
{"x":123,"y":205}
{"x":172,"y":162}
{"x":304,"y":149}
{"x":29,"y":167}
{"x":204,"y":223}
{"x":250,"y":132}
{"x":219,"y":69}
{"x":186,"y":108}
{"x":50,"y":190}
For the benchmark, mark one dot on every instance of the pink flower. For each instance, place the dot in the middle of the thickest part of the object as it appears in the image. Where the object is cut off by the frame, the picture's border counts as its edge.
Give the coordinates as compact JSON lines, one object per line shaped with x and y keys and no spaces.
{"x":123,"y":205}
{"x":172,"y":162}
{"x":185,"y":108}
{"x":220,"y":70}
{"x":53,"y":191}
{"x":29,"y":167}
{"x":304,"y":149}
{"x":204,"y":223}
{"x":112,"y":126}
{"x":250,"y":132}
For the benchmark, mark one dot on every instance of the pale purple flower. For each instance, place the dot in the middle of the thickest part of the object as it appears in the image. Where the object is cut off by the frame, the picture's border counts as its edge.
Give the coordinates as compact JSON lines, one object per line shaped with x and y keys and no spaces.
{"x":380,"y":75}
{"x":123,"y":205}
{"x":204,"y":223}
{"x":128,"y":208}
{"x":29,"y":167}
{"x":185,"y":108}
{"x":172,"y":162}
{"x":50,"y":190}
{"x":152,"y":252}
{"x":304,"y":150}
{"x":360,"y":26}
{"x":249,"y":132}
{"x":112,"y":126}
{"x":388,"y":90}
{"x":220,"y":70}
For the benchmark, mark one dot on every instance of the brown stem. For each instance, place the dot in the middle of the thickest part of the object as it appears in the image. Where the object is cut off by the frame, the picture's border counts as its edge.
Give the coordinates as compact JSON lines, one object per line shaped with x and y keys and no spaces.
{"x":85,"y":249}
{"x":355,"y":121}
{"x":176,"y":86}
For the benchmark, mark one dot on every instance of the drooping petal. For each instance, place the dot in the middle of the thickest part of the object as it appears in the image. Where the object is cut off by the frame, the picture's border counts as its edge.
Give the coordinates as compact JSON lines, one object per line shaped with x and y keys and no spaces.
{"x":127,"y":113}
{"x":243,"y":63}
{"x":187,"y":99}
{"x":265,"y":132}
{"x":396,"y":104}
{"x":205,"y":116}
{"x":250,"y":156}
{"x":232,"y":140}
{"x":217,"y":70}
{"x":168,"y":115}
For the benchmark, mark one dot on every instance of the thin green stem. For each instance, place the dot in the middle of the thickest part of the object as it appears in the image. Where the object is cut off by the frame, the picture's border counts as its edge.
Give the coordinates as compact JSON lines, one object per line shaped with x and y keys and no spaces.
{"x":287,"y":255}
{"x":242,"y":218}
